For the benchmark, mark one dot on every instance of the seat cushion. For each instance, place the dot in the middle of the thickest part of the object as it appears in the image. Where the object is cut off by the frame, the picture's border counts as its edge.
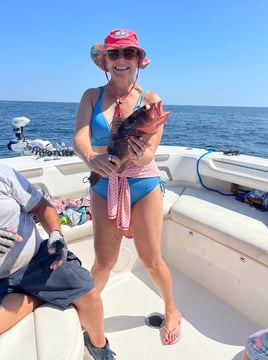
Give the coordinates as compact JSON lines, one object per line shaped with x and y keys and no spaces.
{"x":47,"y":333}
{"x":225,"y":220}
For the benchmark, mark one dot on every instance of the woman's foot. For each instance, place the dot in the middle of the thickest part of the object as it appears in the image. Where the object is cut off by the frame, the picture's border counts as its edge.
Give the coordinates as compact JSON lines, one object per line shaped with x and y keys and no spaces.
{"x":172,"y":329}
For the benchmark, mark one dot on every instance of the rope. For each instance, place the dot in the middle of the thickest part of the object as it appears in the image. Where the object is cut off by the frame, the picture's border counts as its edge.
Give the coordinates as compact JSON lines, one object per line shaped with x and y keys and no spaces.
{"x":200,"y":179}
{"x":37,"y":150}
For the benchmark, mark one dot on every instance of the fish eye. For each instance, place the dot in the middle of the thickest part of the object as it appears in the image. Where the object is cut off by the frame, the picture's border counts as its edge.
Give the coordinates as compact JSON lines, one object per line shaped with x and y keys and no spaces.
{"x":146,"y":107}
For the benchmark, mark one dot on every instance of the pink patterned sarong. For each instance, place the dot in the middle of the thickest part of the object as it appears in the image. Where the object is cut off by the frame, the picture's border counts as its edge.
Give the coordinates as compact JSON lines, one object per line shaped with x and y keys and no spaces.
{"x":119,"y":206}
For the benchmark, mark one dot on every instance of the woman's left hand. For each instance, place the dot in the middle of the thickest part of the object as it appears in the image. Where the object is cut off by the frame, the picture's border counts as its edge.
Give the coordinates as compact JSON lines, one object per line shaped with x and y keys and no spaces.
{"x":137,"y":147}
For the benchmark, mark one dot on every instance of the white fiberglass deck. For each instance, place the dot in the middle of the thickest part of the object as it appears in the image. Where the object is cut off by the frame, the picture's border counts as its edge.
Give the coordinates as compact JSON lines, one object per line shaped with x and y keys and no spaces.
{"x":211,"y":329}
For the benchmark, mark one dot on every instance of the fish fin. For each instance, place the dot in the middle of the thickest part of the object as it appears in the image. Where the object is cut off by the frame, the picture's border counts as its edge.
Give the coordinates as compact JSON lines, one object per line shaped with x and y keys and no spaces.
{"x":94,"y":178}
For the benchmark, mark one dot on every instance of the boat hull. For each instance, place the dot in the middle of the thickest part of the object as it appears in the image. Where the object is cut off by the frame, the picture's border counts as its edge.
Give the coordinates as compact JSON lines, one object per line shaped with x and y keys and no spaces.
{"x":215,"y":246}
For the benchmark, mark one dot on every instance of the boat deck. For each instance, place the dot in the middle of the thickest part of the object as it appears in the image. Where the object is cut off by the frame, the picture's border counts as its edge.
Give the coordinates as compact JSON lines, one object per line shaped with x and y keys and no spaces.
{"x":211,"y":329}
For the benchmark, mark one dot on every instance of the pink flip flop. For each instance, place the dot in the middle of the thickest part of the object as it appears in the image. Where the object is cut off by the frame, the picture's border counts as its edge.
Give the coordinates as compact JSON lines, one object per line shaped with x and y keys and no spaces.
{"x":167,"y":331}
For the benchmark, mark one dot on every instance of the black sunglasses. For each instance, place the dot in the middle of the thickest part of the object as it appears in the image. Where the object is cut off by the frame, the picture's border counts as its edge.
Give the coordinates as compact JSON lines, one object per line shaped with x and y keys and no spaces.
{"x":127,"y":53}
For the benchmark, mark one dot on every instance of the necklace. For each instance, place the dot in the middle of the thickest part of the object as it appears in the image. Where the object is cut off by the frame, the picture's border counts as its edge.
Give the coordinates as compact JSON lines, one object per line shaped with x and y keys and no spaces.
{"x":117,"y":118}
{"x":119,"y":99}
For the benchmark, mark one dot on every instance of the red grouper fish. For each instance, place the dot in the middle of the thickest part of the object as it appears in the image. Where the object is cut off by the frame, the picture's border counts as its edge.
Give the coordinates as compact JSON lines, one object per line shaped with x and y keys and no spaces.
{"x":143,"y":122}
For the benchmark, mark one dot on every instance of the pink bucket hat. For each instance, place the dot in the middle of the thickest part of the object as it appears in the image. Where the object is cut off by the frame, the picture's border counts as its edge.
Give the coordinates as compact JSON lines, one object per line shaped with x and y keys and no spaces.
{"x":119,"y":38}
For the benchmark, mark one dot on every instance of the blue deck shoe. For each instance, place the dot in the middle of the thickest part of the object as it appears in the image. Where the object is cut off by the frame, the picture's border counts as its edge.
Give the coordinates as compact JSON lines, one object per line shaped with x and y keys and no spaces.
{"x":104,"y":353}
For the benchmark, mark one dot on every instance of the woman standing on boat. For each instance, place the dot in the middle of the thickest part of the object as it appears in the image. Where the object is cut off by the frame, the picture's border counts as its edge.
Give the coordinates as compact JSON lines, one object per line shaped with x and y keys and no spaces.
{"x":101,"y":111}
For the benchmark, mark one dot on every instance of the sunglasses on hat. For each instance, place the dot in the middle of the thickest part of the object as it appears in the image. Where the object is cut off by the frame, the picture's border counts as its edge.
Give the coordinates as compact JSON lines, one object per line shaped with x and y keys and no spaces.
{"x":127,"y":53}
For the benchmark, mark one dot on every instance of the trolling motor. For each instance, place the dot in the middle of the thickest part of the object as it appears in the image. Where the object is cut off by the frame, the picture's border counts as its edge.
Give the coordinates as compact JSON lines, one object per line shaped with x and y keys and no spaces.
{"x":19,"y":144}
{"x":18,"y":125}
{"x":38,"y":147}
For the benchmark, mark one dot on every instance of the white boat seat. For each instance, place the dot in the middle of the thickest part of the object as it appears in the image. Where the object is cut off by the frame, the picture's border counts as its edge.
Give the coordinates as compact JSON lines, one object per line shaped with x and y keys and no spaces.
{"x":72,"y":233}
{"x":77,"y":232}
{"x":170,"y":196}
{"x":224,"y":219}
{"x":48,"y":333}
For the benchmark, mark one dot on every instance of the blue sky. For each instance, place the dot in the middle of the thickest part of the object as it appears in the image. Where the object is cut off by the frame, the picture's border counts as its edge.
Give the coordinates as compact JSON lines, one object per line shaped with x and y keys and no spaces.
{"x":203,"y":52}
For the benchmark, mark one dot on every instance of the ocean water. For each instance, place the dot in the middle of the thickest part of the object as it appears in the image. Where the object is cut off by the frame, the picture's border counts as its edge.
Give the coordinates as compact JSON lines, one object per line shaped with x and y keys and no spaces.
{"x":219,"y":127}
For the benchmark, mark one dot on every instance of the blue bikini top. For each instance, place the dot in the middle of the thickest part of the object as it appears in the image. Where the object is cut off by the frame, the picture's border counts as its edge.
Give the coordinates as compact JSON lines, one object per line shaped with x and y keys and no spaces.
{"x":99,"y":126}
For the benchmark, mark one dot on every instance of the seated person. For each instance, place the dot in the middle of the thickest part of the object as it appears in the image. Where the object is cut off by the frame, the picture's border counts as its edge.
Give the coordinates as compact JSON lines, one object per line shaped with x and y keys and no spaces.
{"x":34,"y":271}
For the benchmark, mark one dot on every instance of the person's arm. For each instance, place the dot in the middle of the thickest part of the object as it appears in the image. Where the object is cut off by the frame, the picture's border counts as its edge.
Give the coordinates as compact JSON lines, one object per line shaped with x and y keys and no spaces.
{"x":47,"y":215}
{"x":81,"y":141}
{"x":50,"y":221}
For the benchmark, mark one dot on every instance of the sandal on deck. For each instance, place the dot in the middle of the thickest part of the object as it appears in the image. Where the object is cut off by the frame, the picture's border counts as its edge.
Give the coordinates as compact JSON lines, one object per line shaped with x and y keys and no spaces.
{"x":177,"y":328}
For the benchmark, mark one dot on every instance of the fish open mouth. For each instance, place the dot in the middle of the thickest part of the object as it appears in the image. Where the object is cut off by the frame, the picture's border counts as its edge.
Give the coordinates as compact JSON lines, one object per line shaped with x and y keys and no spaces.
{"x":155,"y":118}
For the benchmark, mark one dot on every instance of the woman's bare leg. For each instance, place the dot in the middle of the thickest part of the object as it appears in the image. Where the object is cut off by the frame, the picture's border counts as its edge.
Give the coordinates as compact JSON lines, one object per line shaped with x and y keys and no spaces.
{"x":147,"y":218}
{"x":107,"y":241}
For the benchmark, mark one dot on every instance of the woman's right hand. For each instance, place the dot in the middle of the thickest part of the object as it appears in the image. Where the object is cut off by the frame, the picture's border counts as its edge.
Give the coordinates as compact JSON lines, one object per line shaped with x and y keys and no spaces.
{"x":103,"y":164}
